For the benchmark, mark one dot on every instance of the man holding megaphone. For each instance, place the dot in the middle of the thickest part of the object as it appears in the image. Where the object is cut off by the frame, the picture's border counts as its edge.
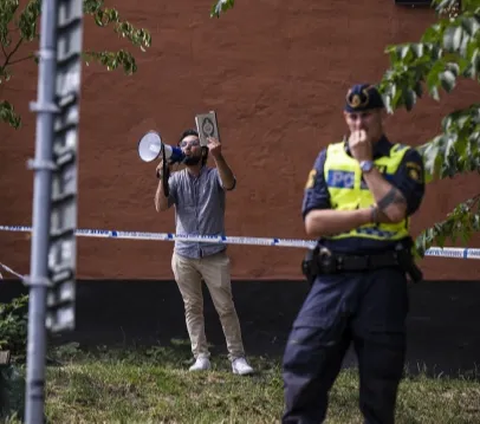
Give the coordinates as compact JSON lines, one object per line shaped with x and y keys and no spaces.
{"x":198,"y":193}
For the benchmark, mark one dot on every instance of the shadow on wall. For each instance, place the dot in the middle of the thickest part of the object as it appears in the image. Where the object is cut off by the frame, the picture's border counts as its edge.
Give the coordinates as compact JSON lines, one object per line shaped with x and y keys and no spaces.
{"x":443,"y":322}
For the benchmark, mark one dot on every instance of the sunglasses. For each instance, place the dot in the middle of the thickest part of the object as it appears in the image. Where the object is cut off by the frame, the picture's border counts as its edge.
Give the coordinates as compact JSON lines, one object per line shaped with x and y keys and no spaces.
{"x":191,"y":143}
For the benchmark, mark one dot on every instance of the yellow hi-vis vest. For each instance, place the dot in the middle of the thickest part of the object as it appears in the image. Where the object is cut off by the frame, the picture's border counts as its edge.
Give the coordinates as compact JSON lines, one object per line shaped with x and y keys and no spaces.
{"x":348,"y":192}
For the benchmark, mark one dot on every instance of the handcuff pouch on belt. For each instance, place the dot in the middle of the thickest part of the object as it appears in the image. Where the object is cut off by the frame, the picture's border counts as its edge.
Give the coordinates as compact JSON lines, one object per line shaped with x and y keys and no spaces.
{"x":321,"y":261}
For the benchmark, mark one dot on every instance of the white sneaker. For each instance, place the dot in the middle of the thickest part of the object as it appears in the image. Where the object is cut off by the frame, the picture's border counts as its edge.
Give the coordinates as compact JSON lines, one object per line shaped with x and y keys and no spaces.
{"x":201,"y":364}
{"x":240,"y":366}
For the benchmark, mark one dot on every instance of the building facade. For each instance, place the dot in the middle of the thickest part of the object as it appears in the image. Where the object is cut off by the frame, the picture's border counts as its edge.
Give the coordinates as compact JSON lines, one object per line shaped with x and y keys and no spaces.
{"x":276,"y":73}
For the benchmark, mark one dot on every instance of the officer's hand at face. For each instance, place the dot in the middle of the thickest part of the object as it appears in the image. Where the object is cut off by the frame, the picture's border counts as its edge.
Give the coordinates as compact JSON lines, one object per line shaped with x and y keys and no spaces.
{"x":360,"y":145}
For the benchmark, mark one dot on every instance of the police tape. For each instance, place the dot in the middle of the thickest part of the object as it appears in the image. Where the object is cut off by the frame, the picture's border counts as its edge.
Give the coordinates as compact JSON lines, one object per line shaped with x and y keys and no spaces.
{"x":445,"y":252}
{"x":10,"y":270}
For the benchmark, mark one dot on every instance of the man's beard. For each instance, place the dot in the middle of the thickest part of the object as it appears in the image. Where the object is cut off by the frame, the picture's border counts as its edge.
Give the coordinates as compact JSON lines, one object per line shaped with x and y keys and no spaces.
{"x":191,"y":160}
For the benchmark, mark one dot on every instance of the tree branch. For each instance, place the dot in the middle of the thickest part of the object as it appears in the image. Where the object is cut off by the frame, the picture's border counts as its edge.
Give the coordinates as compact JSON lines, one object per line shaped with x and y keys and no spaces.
{"x":12,"y":52}
{"x":13,"y":62}
{"x":106,"y":16}
{"x":462,"y":223}
{"x":112,"y":60}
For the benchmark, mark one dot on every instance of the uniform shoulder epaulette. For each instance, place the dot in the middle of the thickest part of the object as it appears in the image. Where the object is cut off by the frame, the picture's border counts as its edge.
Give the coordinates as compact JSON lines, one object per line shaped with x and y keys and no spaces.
{"x":398,"y":147}
{"x":339,"y":145}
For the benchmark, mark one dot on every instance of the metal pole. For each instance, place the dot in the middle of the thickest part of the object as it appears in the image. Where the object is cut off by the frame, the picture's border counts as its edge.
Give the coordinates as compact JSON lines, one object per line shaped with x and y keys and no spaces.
{"x":38,"y":279}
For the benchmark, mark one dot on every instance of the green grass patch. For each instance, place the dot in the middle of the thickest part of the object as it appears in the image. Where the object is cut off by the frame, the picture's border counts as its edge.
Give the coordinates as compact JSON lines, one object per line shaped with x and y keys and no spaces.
{"x":155,"y":386}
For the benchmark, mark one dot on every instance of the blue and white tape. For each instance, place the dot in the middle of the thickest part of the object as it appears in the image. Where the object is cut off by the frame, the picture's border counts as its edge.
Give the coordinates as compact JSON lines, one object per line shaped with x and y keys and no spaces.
{"x":446,"y":252}
{"x":10,"y":270}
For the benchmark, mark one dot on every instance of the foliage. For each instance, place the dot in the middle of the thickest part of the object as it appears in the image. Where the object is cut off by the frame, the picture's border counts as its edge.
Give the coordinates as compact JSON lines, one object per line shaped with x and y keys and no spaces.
{"x":221,"y":6}
{"x":19,"y":27}
{"x":460,"y":223}
{"x":13,"y":326}
{"x":447,"y":52}
{"x":12,"y":394}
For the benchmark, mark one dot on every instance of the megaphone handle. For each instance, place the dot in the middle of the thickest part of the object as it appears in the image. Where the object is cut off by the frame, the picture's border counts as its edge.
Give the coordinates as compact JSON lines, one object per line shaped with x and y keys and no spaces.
{"x":166,"y":174}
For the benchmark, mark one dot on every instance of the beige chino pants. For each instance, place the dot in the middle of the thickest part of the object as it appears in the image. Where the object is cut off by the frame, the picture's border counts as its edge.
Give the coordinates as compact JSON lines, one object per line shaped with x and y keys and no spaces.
{"x":215,"y":271}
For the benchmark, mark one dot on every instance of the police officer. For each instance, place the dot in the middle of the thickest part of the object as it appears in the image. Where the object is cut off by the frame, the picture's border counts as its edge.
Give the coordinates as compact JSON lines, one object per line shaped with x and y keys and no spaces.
{"x":358,"y":201}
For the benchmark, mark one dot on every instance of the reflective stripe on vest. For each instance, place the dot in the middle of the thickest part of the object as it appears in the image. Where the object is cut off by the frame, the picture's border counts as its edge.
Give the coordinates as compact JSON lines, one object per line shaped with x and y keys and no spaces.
{"x":349,"y":192}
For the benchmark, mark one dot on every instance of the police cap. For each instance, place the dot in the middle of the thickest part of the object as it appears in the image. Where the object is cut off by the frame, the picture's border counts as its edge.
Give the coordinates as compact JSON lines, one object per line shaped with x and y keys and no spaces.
{"x":363,"y":97}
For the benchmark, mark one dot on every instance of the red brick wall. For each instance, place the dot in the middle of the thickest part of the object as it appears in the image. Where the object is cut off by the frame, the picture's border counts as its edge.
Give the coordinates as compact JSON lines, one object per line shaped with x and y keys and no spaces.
{"x":276,"y":72}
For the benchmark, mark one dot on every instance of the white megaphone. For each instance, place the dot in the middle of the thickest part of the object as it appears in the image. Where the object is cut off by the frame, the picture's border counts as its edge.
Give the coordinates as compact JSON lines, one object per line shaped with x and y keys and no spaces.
{"x":150,"y":148}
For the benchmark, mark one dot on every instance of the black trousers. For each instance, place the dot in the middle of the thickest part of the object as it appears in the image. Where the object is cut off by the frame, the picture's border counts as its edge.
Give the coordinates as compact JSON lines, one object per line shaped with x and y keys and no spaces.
{"x":367,"y":309}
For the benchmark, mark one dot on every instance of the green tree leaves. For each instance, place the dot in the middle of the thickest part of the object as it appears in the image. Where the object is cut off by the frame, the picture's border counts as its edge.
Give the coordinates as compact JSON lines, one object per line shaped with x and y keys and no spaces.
{"x":448,"y":51}
{"x":457,"y":149}
{"x":28,"y":21}
{"x":8,"y":114}
{"x":460,"y":224}
{"x":18,"y":27}
{"x":106,"y":16}
{"x":221,"y":6}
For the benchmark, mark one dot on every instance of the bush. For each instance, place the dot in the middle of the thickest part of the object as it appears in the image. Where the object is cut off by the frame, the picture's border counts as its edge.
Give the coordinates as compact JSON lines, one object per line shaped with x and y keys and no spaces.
{"x":13,"y":327}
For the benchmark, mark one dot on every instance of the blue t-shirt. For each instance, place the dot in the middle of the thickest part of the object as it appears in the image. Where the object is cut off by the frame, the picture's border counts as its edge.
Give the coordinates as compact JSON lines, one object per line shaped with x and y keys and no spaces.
{"x":413,"y":189}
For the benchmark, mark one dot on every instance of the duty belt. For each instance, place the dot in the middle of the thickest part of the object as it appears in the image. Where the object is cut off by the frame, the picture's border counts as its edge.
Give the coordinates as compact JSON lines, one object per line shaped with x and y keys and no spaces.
{"x":329,"y":263}
{"x":323,"y":261}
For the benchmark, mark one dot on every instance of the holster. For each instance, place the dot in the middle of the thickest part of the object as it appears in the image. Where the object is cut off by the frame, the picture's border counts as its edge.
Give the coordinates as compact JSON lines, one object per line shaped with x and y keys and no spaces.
{"x":309,"y":265}
{"x":318,"y":261}
{"x":406,"y":261}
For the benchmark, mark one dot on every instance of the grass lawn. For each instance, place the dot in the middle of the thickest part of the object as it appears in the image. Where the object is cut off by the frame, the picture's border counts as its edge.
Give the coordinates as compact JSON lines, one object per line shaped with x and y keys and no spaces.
{"x":154,"y":386}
